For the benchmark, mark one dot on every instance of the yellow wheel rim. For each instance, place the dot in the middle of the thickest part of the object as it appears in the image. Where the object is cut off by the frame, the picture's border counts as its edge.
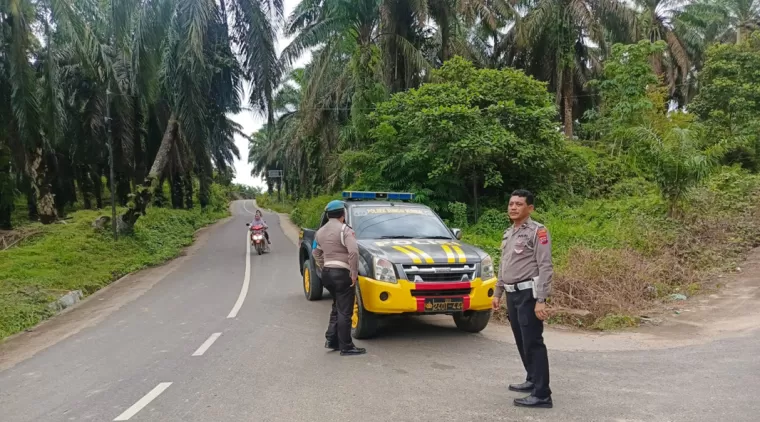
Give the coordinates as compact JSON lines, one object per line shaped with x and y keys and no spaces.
{"x":355,"y":316}
{"x":306,"y":280}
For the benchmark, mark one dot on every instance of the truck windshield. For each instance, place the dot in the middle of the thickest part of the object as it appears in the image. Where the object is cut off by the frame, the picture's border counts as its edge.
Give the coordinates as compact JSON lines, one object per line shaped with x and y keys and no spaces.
{"x":397,"y":222}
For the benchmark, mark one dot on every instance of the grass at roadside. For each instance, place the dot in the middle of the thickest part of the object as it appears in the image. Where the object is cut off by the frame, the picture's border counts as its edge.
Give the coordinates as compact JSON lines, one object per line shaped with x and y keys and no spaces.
{"x":620,"y":256}
{"x":266,"y":201}
{"x":74,"y":256}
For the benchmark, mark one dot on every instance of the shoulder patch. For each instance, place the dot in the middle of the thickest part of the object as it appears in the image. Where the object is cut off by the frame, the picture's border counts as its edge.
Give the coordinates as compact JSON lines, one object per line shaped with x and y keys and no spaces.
{"x":543,"y":236}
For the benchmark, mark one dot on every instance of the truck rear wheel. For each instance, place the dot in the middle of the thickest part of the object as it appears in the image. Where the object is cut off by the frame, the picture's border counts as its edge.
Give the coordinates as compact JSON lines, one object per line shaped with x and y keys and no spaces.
{"x":312,"y":286}
{"x":363,"y":322}
{"x":472,"y":321}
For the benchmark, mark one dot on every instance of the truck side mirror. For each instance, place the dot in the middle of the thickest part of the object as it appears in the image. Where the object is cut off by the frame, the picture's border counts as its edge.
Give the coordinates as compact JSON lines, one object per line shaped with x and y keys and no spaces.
{"x":457,"y":233}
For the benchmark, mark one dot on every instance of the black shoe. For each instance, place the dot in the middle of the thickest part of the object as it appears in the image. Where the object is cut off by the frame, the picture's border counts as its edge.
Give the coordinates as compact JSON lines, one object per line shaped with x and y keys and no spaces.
{"x":353,"y":351}
{"x":333,"y":346}
{"x":533,"y":401}
{"x":525,"y":387}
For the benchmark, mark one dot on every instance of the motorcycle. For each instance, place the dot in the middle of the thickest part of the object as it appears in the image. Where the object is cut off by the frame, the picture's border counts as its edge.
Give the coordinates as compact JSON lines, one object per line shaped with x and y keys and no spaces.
{"x":258,"y":241}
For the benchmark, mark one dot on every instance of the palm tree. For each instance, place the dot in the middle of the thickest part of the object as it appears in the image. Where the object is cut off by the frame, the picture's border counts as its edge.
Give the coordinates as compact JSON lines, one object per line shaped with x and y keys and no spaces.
{"x":724,"y":20}
{"x":198,"y":39}
{"x":667,"y":20}
{"x":554,"y":42}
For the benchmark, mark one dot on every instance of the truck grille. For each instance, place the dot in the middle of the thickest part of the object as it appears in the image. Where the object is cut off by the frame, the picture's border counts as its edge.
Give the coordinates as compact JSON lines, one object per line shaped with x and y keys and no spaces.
{"x":440,"y":273}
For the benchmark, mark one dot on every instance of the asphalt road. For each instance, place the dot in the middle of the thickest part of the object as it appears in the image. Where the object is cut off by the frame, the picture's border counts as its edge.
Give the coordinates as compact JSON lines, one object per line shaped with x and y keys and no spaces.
{"x":132,"y":358}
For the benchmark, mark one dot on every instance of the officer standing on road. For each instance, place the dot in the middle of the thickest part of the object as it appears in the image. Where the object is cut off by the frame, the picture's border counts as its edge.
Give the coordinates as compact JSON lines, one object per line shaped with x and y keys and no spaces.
{"x":337,"y":255}
{"x":525,"y":272}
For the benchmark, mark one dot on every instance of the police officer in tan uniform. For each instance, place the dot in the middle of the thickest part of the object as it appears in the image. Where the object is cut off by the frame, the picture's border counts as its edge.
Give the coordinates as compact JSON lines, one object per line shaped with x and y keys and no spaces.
{"x":337,"y":255}
{"x":525,"y":272}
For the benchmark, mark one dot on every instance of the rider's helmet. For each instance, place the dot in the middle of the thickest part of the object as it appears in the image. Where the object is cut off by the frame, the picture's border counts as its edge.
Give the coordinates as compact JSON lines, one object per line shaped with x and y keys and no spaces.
{"x":335,"y":205}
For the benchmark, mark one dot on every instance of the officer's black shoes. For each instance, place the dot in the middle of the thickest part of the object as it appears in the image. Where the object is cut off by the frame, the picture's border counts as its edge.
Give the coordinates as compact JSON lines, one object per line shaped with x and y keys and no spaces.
{"x":533,"y":401}
{"x":525,"y":387}
{"x":353,"y":351}
{"x":333,"y":346}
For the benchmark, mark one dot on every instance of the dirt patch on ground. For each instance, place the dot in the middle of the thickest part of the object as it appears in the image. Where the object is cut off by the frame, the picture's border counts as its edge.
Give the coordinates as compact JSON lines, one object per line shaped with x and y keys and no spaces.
{"x":11,"y":238}
{"x":730,"y":310}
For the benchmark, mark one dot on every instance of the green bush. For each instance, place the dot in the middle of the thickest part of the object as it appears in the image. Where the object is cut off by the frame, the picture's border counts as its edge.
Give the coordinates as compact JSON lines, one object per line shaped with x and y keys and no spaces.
{"x":308,"y":213}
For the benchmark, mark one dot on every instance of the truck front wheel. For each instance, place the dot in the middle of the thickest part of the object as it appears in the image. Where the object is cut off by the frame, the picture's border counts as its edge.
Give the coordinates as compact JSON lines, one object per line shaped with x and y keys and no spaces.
{"x":363,"y":322}
{"x":312,"y":286}
{"x":472,"y":321}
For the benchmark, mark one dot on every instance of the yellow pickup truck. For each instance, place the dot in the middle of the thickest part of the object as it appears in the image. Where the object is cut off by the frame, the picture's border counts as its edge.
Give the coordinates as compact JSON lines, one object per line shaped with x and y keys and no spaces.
{"x":410,"y":262}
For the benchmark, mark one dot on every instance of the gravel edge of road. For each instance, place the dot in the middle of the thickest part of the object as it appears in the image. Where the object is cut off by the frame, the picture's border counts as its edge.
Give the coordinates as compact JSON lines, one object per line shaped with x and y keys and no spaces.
{"x":290,"y":228}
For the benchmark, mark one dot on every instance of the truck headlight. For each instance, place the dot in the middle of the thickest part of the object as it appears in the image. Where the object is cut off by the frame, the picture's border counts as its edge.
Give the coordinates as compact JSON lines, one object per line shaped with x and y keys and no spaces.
{"x":384,"y":271}
{"x":486,"y":268}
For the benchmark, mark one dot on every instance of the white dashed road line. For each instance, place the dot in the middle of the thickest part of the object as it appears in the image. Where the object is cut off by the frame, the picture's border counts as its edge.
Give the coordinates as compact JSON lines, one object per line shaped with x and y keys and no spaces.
{"x":160,"y":388}
{"x":201,"y":350}
{"x":143,"y":402}
{"x":246,"y":280}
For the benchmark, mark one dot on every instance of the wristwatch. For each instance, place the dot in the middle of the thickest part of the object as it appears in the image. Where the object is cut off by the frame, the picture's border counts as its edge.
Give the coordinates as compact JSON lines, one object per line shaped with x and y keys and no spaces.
{"x":541,"y":300}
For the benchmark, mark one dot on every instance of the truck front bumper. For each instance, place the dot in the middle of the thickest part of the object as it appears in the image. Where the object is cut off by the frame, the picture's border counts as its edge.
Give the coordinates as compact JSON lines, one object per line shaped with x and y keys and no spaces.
{"x":407,"y":297}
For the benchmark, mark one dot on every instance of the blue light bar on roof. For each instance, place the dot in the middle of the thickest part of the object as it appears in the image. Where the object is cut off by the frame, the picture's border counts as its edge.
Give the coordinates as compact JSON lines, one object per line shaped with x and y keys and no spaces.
{"x":391,"y":196}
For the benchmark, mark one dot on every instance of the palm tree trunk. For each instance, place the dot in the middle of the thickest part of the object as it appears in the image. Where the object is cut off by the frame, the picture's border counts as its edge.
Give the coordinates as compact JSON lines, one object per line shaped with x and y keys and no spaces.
{"x":42,"y":186}
{"x":159,"y":199}
{"x":142,"y":194}
{"x":139,"y":151}
{"x":445,"y":36}
{"x":6,"y":189}
{"x":85,"y":185}
{"x":188,"y":191}
{"x":567,"y":97}
{"x":176,"y":189}
{"x":205,"y":172}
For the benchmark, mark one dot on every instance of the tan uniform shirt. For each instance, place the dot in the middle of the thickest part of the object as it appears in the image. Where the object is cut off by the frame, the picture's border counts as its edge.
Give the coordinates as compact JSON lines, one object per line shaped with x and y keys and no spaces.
{"x":331,"y":252}
{"x":526,"y":252}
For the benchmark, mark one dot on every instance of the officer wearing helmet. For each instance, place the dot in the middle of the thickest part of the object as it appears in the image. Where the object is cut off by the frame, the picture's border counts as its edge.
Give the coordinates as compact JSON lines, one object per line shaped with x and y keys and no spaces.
{"x":337,"y":256}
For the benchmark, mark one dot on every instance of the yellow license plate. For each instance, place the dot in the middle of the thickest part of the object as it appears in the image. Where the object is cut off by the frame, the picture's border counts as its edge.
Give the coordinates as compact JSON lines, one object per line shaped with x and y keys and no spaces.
{"x":443,"y":305}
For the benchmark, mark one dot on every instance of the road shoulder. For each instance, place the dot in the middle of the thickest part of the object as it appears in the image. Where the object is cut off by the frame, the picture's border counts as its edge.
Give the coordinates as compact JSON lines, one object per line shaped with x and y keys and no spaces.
{"x":96,"y":307}
{"x":288,"y":227}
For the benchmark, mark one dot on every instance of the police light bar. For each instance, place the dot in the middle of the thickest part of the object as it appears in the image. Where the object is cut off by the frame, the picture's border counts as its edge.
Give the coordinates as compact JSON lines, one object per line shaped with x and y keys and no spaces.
{"x":391,"y":196}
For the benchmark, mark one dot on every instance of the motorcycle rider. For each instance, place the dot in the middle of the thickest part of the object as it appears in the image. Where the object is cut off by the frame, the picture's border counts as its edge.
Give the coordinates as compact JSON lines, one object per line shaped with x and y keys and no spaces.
{"x":258,"y":220}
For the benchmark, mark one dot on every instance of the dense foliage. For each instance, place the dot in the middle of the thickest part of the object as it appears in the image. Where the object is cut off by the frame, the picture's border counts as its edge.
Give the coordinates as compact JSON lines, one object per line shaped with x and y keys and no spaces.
{"x":468,"y":134}
{"x":150,"y":83}
{"x":656,"y":101}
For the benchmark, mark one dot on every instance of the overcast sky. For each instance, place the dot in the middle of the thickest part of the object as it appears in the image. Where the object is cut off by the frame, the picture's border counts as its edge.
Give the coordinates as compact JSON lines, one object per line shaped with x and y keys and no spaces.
{"x":251,"y":122}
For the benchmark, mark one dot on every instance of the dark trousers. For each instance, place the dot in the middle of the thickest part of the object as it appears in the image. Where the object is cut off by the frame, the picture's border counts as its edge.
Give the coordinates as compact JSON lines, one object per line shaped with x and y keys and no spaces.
{"x":528,"y":331}
{"x":337,"y":281}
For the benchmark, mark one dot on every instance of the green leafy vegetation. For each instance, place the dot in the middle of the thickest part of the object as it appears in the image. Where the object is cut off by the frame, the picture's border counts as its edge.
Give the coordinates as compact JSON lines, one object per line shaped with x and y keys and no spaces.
{"x":651,"y":191}
{"x":282,"y":205}
{"x":151,"y":83}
